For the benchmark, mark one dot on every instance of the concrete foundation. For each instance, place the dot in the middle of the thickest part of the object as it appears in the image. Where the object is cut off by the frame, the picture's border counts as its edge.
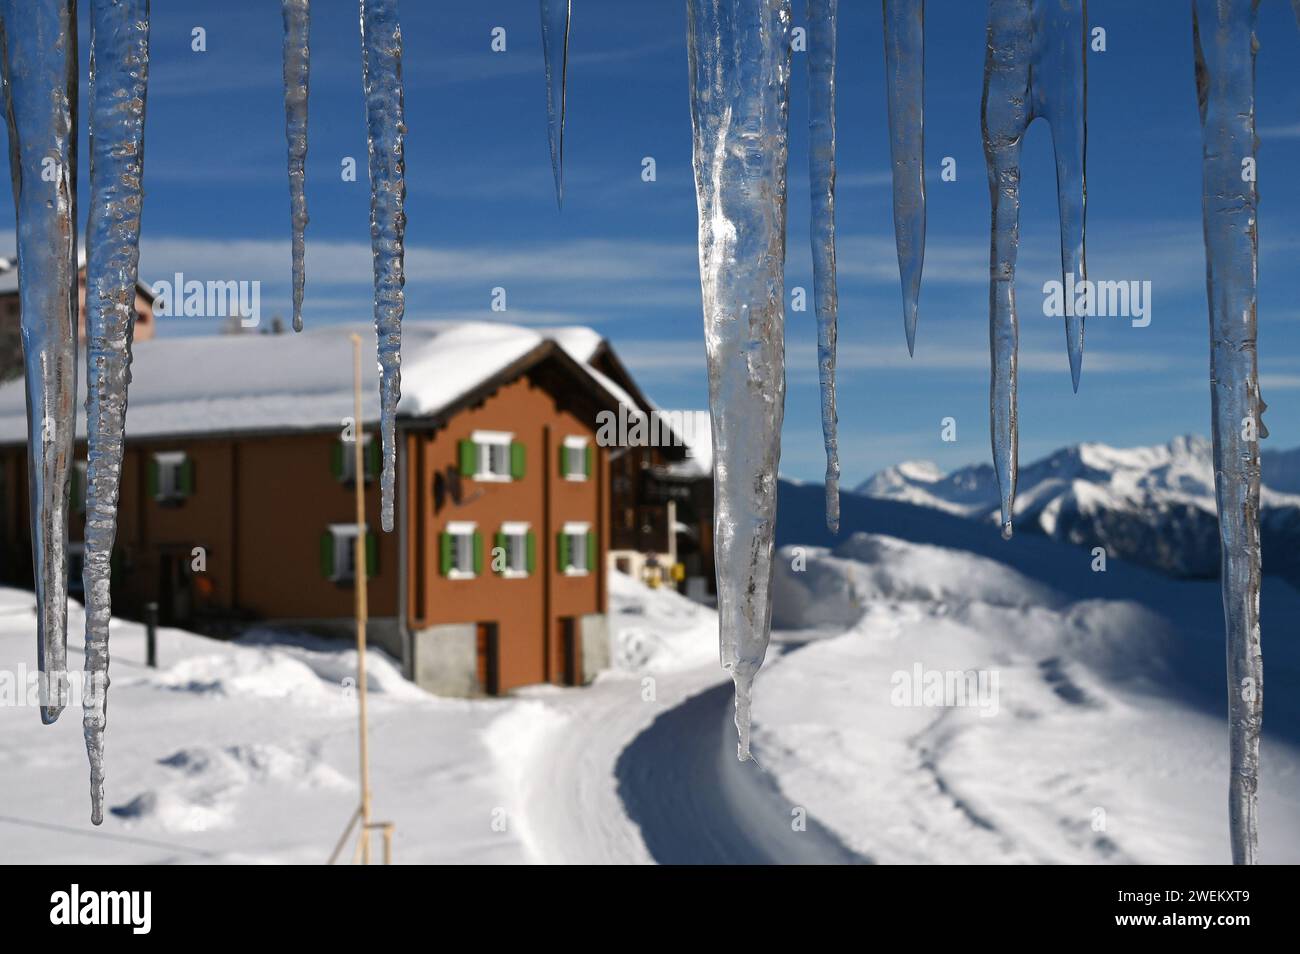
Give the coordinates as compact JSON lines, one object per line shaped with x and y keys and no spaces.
{"x":594,"y":629}
{"x":446,"y":660}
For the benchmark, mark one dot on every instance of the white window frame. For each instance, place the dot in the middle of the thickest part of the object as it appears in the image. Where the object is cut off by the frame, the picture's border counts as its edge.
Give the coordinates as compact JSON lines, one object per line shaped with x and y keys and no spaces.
{"x":345,"y":548}
{"x":457,"y":529}
{"x":169,"y":464}
{"x":516,"y":530}
{"x":572,"y":529}
{"x":484,"y":441}
{"x":579,"y":444}
{"x":350,"y":458}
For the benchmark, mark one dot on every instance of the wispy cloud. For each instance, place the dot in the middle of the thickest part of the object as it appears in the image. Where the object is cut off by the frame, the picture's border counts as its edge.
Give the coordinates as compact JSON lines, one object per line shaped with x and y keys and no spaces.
{"x":334,"y":263}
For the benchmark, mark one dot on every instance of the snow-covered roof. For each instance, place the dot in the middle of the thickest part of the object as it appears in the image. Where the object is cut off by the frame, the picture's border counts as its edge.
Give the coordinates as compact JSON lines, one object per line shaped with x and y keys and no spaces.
{"x":9,"y":276}
{"x":697,"y":434}
{"x":254,"y":382}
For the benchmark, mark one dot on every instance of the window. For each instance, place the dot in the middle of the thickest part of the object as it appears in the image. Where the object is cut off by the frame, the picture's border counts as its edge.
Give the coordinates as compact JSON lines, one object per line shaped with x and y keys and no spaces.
{"x":78,"y":489}
{"x":492,"y":456}
{"x":575,"y":458}
{"x":171,"y":477}
{"x":338,"y":550}
{"x":577,"y":549}
{"x":515,"y":551}
{"x":76,"y":564}
{"x":344,"y":464}
{"x":461,"y":551}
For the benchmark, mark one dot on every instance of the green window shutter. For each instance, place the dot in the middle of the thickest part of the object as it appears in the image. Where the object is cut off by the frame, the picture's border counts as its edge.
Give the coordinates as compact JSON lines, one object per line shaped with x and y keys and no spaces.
{"x":563,"y":458}
{"x":186,"y":477}
{"x":500,"y":541}
{"x":444,"y":559}
{"x":478,"y":553}
{"x":516,"y":460}
{"x":74,"y":489}
{"x":336,"y":459}
{"x":591,"y":551}
{"x":373,"y":450}
{"x":530,"y":551}
{"x":590,"y":455}
{"x":327,"y":555}
{"x":562,"y":551}
{"x":468,"y":458}
{"x":372,"y":554}
{"x":152,"y":477}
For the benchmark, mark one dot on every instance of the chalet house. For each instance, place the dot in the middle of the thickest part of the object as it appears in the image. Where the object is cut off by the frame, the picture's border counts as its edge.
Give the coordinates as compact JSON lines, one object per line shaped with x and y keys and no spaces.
{"x":237,"y":495}
{"x":11,"y":347}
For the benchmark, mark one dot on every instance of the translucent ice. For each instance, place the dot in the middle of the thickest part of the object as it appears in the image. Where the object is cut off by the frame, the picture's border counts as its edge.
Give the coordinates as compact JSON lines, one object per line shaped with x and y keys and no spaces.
{"x":1224,"y":40}
{"x":821,"y":162}
{"x":119,"y":65}
{"x":381,"y":59}
{"x":905,"y":87}
{"x":40,"y":80}
{"x":739,"y":52}
{"x":556,"y":15}
{"x":1034,"y":67}
{"x":297,"y":58}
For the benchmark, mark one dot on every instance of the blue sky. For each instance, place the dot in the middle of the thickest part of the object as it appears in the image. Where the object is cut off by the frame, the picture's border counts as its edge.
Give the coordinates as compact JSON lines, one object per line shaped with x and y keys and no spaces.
{"x":621,"y":256}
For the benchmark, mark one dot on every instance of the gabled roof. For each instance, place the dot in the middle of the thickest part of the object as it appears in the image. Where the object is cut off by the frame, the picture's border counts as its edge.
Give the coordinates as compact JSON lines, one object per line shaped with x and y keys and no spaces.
{"x":299,"y":382}
{"x":9,"y":277}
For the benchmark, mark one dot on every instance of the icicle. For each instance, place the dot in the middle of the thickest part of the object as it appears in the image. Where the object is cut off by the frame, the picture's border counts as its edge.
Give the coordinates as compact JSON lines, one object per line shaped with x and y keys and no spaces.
{"x":556,"y":15}
{"x":381,"y":57}
{"x":1034,"y":67}
{"x":821,"y":171}
{"x":1224,"y":40}
{"x":905,"y":83}
{"x":40,"y":73}
{"x":740,"y":82}
{"x":297,"y":58}
{"x":119,"y":65}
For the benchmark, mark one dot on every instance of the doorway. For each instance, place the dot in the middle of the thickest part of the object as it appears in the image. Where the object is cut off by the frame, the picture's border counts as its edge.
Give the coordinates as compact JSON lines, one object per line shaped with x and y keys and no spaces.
{"x":570,"y":652}
{"x":487,"y":648}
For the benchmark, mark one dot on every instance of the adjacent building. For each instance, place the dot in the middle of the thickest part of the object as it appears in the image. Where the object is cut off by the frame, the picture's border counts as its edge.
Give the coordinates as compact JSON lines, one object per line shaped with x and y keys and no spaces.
{"x":11,"y":345}
{"x":237,"y":495}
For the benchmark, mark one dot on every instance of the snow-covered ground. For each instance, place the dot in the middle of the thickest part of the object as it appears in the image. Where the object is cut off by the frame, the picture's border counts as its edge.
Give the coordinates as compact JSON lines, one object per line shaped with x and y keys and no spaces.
{"x":1104,"y":740}
{"x":242,"y":752}
{"x":1092,"y":749}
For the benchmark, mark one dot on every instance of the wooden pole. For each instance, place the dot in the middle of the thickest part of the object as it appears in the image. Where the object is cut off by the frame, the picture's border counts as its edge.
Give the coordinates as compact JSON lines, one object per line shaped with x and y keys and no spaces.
{"x":362,"y":814}
{"x":359,"y":578}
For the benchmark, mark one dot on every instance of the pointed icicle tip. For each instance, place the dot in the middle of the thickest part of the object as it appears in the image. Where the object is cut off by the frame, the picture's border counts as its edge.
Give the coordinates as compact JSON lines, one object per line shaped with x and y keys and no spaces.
{"x":1074,"y":348}
{"x":556,"y":16}
{"x":910,"y":326}
{"x":1006,"y":530}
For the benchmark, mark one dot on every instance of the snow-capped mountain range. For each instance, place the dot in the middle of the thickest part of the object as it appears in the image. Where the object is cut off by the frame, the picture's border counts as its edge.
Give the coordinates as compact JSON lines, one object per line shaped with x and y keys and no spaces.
{"x":1150,"y":505}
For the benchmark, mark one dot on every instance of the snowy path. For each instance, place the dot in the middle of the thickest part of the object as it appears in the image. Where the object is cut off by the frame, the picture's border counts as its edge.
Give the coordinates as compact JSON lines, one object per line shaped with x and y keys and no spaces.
{"x":696,"y":804}
{"x":601,"y":776}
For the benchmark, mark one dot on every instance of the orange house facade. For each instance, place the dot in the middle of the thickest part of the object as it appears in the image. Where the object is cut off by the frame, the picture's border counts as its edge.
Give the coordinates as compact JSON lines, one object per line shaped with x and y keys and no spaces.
{"x":237,"y":499}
